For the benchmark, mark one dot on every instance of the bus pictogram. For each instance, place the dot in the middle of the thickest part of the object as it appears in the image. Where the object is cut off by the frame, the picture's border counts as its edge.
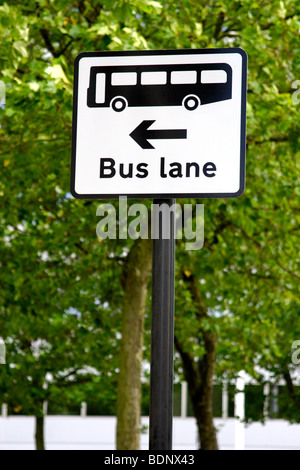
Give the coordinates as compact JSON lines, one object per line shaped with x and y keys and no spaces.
{"x":188,"y":85}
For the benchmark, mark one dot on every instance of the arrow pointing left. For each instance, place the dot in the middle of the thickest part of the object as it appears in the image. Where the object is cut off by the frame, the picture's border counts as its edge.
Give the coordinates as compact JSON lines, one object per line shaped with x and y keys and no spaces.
{"x":141,"y":134}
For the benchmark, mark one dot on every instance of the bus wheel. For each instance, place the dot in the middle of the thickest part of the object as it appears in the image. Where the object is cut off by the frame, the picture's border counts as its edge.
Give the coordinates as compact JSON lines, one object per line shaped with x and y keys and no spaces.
{"x":118,"y":104}
{"x":191,"y":102}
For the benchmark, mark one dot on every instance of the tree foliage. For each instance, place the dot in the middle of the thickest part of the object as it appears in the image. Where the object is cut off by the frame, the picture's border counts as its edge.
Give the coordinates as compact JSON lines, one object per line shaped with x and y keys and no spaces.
{"x":60,"y":287}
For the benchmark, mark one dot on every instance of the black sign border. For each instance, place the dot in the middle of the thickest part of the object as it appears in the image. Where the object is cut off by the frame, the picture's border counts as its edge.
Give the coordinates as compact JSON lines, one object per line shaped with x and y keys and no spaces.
{"x":232,"y":50}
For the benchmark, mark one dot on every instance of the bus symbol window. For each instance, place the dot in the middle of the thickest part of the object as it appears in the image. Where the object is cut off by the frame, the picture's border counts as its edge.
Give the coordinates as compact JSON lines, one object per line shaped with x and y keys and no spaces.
{"x":188,"y":85}
{"x":100,"y":88}
{"x":123,"y":78}
{"x":182,"y":77}
{"x":154,"y":78}
{"x":213,"y":76}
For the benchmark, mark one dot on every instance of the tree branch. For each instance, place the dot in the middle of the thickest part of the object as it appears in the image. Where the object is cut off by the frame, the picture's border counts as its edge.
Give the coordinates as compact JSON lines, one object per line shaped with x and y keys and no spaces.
{"x":219,"y":24}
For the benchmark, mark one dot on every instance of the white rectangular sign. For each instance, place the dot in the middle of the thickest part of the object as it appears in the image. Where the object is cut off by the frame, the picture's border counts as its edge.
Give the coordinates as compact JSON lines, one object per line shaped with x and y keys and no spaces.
{"x":159,"y":124}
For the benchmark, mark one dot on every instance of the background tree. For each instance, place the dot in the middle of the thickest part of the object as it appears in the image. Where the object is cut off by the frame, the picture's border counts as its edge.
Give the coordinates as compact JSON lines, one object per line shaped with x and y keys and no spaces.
{"x":246,"y":273}
{"x":55,"y":234}
{"x":245,"y":276}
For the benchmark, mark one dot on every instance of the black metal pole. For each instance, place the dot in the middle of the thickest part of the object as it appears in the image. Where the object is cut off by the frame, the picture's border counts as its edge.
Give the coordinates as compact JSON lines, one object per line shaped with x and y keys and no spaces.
{"x":162,"y":335}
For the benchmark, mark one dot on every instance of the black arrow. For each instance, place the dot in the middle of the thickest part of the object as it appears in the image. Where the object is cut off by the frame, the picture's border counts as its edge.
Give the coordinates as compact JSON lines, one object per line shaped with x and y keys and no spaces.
{"x":142,"y":134}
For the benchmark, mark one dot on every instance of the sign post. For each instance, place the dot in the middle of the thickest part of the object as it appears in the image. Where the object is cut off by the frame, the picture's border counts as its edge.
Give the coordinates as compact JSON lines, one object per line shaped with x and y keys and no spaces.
{"x":160,"y":124}
{"x":162,"y":334}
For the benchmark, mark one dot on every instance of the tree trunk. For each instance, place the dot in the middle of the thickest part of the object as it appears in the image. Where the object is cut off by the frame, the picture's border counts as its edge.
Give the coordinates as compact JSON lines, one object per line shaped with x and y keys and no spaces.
{"x":200,"y":384}
{"x":199,"y":376}
{"x":292,"y":391}
{"x":135,"y":275}
{"x":39,"y":433}
{"x":202,"y":398}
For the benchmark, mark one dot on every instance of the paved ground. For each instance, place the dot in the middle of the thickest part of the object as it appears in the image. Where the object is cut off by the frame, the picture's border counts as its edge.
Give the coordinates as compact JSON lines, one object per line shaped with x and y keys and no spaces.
{"x":98,"y":433}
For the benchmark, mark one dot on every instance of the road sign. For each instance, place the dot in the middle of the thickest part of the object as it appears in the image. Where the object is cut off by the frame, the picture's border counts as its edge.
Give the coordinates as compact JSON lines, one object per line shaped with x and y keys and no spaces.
{"x":159,"y":124}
